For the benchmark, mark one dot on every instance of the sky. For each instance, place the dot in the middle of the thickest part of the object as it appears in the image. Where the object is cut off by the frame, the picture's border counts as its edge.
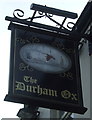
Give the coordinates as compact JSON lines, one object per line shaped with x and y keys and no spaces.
{"x":7,"y":109}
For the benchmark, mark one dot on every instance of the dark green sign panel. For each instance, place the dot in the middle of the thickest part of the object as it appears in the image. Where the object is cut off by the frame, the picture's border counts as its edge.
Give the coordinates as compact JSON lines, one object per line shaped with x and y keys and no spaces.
{"x":44,"y":70}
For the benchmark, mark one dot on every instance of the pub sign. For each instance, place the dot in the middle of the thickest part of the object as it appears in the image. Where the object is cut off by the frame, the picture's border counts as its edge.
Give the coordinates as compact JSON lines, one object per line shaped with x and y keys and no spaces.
{"x":44,"y":70}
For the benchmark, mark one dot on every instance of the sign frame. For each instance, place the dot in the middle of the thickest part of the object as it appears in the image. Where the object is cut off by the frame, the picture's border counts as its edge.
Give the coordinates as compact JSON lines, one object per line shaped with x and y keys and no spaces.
{"x":12,"y":95}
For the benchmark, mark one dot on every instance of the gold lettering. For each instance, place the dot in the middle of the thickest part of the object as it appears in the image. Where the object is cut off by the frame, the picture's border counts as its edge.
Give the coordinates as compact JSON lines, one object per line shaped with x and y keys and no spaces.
{"x":39,"y":90}
{"x":29,"y":88}
{"x":55,"y":93}
{"x":45,"y":91}
{"x":58,"y":44}
{"x":69,"y":75}
{"x":20,"y":86}
{"x":68,"y":95}
{"x":22,"y":66}
{"x":26,"y":79}
{"x":74,"y":97}
{"x":22,"y":41}
{"x":52,"y":93}
{"x":30,"y":79}
{"x":29,"y":68}
{"x":35,"y":40}
{"x":34,"y":89}
{"x":65,"y":94}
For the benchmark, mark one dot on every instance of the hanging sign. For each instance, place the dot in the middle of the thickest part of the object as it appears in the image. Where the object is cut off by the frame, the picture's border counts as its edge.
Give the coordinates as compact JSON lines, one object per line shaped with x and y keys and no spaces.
{"x":44,"y":70}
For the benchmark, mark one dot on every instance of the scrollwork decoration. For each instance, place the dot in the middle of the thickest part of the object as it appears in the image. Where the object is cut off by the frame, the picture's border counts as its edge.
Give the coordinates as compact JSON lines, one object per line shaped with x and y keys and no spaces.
{"x":70,"y":23}
{"x":40,"y":13}
{"x":50,"y":15}
{"x":20,"y":14}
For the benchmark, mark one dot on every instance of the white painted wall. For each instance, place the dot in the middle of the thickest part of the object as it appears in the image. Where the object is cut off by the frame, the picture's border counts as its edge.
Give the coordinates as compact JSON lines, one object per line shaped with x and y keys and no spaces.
{"x":85,"y":78}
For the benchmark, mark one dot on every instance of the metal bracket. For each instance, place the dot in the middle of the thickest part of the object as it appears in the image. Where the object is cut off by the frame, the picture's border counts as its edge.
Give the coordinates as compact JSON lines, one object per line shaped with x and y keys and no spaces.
{"x":47,"y":12}
{"x":29,"y":111}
